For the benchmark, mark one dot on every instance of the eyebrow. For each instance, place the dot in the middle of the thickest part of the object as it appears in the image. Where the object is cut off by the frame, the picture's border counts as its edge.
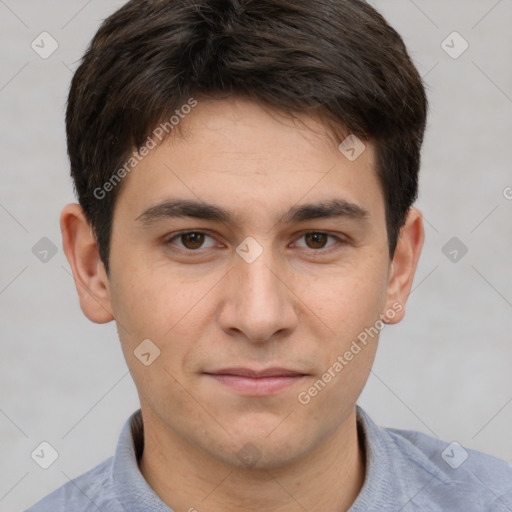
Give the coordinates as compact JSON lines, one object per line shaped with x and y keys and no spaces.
{"x":176,"y":208}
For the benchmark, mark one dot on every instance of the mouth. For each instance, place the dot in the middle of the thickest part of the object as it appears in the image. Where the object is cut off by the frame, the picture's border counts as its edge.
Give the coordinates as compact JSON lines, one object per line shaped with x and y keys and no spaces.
{"x":256,"y":382}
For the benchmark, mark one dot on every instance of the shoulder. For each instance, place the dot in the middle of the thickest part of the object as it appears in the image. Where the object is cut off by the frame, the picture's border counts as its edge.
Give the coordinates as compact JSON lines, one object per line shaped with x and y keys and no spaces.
{"x":411,"y":471}
{"x":452,"y":458}
{"x":467,"y":476}
{"x":89,"y":492}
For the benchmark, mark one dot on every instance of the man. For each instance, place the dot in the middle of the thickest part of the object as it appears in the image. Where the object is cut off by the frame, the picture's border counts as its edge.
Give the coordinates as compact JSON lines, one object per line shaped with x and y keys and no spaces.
{"x":246,"y":173}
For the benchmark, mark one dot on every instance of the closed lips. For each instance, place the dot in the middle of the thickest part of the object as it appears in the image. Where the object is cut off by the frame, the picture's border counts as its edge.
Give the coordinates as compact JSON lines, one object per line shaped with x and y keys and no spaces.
{"x":255,"y":374}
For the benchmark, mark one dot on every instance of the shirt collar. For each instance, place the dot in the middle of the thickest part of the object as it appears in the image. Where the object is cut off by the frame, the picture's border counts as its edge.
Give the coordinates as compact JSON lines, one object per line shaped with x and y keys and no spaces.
{"x":386,"y":485}
{"x":396,"y":470}
{"x":133,"y":491}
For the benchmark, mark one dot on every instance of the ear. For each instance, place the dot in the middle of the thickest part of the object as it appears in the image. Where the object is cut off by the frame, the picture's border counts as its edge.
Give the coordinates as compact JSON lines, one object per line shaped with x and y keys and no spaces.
{"x":82,"y":252}
{"x":403,"y":266}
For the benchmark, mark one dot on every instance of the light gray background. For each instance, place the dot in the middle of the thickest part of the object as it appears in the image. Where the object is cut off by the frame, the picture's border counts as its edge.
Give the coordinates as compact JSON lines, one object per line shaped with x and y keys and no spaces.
{"x":445,"y":370}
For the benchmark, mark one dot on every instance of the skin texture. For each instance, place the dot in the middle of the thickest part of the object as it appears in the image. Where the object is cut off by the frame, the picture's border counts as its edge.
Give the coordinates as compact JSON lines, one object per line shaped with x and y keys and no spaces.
{"x":299,"y":305}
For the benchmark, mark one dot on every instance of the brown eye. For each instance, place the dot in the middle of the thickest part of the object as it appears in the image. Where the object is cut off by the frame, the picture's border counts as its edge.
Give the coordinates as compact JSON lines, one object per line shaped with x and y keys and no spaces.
{"x":191,"y":241}
{"x":316,"y":240}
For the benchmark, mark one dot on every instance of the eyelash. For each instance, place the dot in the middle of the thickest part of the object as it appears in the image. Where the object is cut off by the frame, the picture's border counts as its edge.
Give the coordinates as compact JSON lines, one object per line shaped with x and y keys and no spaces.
{"x":340,"y":241}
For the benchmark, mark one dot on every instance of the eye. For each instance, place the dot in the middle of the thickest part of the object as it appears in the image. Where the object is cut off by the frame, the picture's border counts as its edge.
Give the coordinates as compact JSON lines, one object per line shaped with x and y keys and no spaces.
{"x":318,"y":240}
{"x":190,"y":240}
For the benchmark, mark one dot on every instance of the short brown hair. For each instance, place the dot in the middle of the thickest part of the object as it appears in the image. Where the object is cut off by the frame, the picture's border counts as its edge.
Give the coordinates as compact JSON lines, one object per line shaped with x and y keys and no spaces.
{"x":339,"y":57}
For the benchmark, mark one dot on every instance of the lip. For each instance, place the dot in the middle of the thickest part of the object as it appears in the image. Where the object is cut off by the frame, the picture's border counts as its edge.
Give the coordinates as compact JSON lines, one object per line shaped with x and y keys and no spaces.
{"x":247,"y":372}
{"x":256,"y":382}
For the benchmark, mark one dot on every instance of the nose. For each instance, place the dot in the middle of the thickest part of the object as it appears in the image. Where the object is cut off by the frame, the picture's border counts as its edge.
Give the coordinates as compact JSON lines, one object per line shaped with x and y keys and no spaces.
{"x":258,"y":299}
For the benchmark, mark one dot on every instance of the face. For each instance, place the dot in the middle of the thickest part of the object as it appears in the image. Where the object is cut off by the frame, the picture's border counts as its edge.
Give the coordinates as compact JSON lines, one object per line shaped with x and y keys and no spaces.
{"x":257,"y":282}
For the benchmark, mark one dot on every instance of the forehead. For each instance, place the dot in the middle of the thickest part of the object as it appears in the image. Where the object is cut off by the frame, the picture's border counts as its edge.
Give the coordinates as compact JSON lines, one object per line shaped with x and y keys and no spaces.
{"x":245,"y":157}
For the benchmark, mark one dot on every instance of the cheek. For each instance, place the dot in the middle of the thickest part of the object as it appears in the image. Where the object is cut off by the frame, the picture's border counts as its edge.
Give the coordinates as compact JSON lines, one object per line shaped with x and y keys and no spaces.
{"x":170,"y":312}
{"x":347,"y":299}
{"x":152,"y":302}
{"x":351,"y":305}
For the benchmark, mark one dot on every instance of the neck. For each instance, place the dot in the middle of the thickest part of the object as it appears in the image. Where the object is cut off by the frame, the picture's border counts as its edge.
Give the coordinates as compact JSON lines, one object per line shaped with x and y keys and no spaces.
{"x":188,"y":479}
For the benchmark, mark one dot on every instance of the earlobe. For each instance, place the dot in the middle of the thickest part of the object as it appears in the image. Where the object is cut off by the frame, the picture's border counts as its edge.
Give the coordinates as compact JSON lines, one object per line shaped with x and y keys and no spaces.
{"x":403,"y":266}
{"x":88,"y":270}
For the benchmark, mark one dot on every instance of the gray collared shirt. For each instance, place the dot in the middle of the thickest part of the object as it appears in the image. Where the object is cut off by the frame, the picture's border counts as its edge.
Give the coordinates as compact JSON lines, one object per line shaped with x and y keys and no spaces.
{"x":406,"y":471}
